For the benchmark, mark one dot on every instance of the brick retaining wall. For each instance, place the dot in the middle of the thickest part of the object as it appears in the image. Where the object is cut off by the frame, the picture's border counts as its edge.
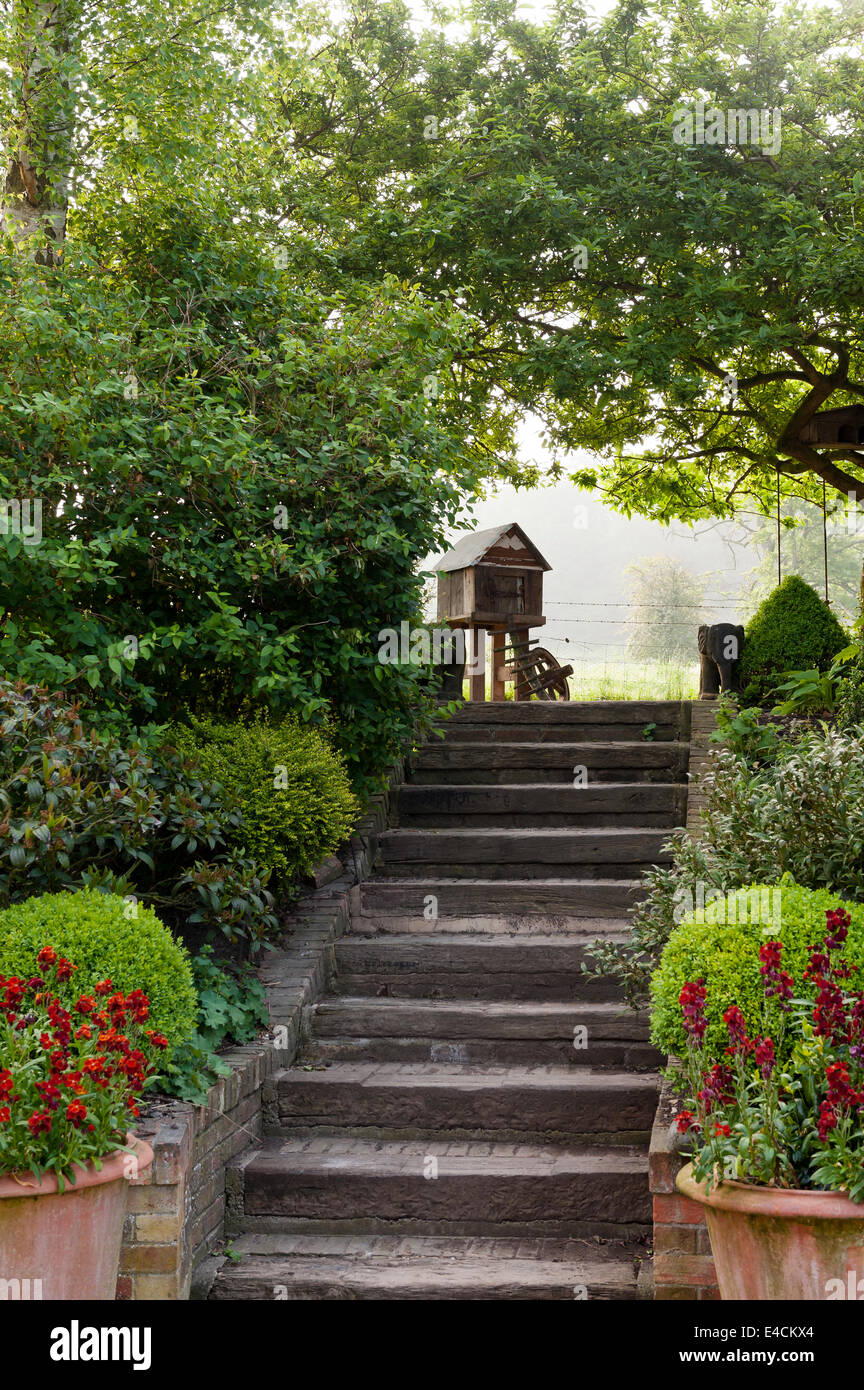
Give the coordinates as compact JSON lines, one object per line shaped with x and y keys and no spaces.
{"x":176,"y":1216}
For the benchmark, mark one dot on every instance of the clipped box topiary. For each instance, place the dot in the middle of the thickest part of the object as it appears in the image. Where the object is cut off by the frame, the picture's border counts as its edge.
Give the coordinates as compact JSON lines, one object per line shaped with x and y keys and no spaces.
{"x":291,"y":789}
{"x":107,"y":937}
{"x":719,"y":943}
{"x":791,"y":630}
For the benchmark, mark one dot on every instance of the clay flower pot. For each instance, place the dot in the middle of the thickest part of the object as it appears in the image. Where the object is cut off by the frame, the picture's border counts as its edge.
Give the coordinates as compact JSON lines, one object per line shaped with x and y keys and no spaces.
{"x":772,"y":1243}
{"x":66,"y":1245}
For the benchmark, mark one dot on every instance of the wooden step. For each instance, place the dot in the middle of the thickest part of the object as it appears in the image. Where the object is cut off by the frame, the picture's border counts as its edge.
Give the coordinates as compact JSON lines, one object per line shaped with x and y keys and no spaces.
{"x":513,"y":899}
{"x":463,"y":966}
{"x":294,"y":1267}
{"x":536,"y":713}
{"x":481,"y":1033}
{"x":541,"y":1104}
{"x":558,"y":763}
{"x":590,"y":852}
{"x":540,"y":805}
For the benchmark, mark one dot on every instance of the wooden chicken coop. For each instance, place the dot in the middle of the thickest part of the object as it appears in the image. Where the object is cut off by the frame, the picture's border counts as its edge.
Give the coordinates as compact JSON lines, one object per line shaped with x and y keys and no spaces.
{"x":492,"y":581}
{"x":841,"y":428}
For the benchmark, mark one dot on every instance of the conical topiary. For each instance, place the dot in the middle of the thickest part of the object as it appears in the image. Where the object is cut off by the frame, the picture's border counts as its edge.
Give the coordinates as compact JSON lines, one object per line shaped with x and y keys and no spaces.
{"x":791,"y":630}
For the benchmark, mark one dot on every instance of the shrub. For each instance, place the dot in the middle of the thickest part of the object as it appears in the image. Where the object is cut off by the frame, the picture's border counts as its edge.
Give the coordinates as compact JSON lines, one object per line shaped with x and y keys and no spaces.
{"x":801,"y":814}
{"x":232,"y":1008}
{"x":291,"y":789}
{"x":792,"y":629}
{"x":722,"y":950}
{"x":106,"y":936}
{"x":79,"y":808}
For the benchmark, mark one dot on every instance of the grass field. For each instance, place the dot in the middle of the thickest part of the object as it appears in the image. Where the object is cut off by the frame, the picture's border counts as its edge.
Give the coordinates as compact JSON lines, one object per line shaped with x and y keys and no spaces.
{"x":629,"y":680}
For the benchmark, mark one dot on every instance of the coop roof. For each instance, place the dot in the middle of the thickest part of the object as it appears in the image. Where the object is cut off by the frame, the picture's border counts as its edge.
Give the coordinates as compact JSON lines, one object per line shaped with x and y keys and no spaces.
{"x":471,"y":549}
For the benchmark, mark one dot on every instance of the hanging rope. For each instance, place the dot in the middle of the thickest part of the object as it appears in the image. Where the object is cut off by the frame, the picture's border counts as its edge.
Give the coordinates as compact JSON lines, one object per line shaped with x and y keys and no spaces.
{"x":825,"y":539}
{"x":779,"y":576}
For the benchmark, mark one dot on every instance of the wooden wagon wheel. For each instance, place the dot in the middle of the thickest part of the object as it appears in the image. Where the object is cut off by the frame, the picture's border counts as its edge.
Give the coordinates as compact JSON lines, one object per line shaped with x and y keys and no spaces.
{"x":537,"y":672}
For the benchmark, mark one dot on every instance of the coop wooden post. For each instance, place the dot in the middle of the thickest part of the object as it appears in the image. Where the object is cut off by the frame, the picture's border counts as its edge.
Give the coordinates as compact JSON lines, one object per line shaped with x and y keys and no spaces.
{"x":499,"y":664}
{"x":520,"y":637}
{"x":478,"y":678}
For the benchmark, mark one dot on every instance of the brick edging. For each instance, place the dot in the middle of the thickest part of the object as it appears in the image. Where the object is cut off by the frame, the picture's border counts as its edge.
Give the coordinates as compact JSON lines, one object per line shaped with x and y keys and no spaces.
{"x":175,"y":1217}
{"x":683,"y":1264}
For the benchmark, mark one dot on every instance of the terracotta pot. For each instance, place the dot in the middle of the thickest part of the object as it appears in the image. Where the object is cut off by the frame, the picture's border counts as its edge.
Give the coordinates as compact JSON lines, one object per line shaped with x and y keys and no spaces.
{"x":772,"y":1244}
{"x":67,"y":1245}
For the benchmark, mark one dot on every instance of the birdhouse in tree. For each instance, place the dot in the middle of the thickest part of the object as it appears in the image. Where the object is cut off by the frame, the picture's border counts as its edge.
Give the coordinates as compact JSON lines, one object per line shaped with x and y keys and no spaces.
{"x":492,"y":579}
{"x":841,"y":428}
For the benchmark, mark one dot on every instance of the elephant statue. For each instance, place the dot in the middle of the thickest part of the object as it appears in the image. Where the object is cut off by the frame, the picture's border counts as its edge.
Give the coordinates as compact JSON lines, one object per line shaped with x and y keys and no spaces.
{"x":719,"y":649}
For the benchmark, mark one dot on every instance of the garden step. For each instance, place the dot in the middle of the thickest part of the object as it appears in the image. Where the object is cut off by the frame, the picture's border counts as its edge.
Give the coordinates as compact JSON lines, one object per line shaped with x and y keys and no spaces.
{"x":508,"y":763}
{"x":541,"y":805}
{"x":461,"y":965}
{"x":536,"y":714}
{"x":374,"y":1266}
{"x":513,"y":898}
{"x":545,"y":1104}
{"x":481,"y":1032}
{"x":446,"y":1183}
{"x":591,"y":849}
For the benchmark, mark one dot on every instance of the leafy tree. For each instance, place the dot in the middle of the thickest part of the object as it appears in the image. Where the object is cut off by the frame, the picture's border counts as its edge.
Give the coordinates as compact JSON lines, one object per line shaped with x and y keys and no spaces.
{"x":666,"y":599}
{"x":239,"y":467}
{"x":681,"y":310}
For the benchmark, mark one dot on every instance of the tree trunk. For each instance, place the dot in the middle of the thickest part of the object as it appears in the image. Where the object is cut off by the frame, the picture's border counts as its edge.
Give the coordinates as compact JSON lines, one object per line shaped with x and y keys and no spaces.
{"x":38,"y":141}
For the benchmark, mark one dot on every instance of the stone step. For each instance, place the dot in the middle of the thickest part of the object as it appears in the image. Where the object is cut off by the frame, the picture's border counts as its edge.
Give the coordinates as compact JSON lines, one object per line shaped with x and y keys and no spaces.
{"x":294,"y":1267}
{"x":590,"y":851}
{"x":481,"y":1032}
{"x":541,"y":805}
{"x":446,"y":1184}
{"x":464,"y":966}
{"x":557,"y":763}
{"x":537,"y":1104}
{"x":419,"y":900}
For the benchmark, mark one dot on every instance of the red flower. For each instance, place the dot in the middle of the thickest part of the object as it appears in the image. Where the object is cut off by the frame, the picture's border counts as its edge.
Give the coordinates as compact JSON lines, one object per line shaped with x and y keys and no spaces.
{"x":83,"y":1034}
{"x":685,"y":1121}
{"x":5,"y":1114}
{"x":103,"y":987}
{"x":39,"y":1124}
{"x":158,"y":1039}
{"x":86,"y":1004}
{"x":76,"y":1113}
{"x":722,"y":1131}
{"x":692,"y":1001}
{"x":6,"y":1084}
{"x":65,"y":969}
{"x":46,"y":958}
{"x":765,"y":1058}
{"x":736,"y":1027}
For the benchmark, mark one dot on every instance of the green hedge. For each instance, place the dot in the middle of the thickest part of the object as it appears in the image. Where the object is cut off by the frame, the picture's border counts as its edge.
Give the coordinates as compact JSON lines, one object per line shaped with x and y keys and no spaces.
{"x":291,"y":788}
{"x":725,"y":954}
{"x":792,"y":630}
{"x":106,"y":936}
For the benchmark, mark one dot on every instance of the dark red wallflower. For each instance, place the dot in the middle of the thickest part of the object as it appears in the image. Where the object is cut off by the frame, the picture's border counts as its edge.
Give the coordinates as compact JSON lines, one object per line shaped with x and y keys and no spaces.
{"x":765,"y":1058}
{"x":692,"y":1001}
{"x":39,"y":1123}
{"x":686,"y":1121}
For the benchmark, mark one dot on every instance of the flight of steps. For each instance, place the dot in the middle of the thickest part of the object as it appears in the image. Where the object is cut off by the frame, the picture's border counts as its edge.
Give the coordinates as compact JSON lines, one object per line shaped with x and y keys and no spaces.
{"x":444,"y":1135}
